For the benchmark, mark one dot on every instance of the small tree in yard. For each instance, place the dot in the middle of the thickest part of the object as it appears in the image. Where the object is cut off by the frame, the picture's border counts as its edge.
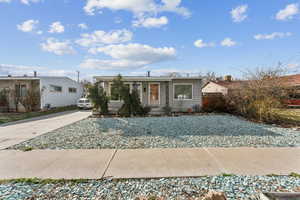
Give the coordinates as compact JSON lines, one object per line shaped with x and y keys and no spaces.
{"x":136,"y":107}
{"x":31,"y":100}
{"x":98,"y":97}
{"x":259,"y":96}
{"x":15,"y":96}
{"x":131,"y":101}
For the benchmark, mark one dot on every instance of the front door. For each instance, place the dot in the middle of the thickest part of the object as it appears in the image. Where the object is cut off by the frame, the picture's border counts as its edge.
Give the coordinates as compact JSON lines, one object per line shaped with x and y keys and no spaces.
{"x":154,"y":93}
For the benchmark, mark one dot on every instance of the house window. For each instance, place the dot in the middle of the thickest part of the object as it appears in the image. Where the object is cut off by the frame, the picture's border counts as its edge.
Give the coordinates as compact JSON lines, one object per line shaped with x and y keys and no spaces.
{"x":21,"y":90}
{"x":72,"y":90}
{"x":139,"y":88}
{"x":4,"y":89}
{"x":183,"y":92}
{"x":55,"y":88}
{"x":114,"y":93}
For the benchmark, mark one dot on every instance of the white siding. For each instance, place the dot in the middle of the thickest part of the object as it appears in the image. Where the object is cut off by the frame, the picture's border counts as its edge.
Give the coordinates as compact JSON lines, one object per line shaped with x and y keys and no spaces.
{"x":214,"y":88}
{"x":59,"y":99}
{"x":183,"y":105}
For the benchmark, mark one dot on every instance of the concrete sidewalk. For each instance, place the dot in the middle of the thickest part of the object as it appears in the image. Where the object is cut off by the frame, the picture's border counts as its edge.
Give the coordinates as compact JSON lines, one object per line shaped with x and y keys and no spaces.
{"x":148,"y":163}
{"x":19,"y":132}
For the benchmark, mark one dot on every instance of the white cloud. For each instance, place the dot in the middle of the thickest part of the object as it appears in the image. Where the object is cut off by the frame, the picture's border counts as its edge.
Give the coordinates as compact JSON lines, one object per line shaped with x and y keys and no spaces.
{"x":288,"y":12}
{"x":138,"y":7}
{"x":99,"y":38}
{"x":20,"y":70}
{"x":293,"y":66}
{"x":151,"y":22}
{"x":6,"y":69}
{"x":174,"y":6}
{"x":201,"y":44}
{"x":5,"y":1}
{"x":110,"y":64}
{"x":272,"y":36}
{"x":238,"y":14}
{"x":228,"y":42}
{"x":138,"y":52}
{"x":27,"y":2}
{"x":57,"y":47}
{"x":83,"y":26}
{"x":56,"y":27}
{"x":130,"y":56}
{"x":39,"y":32}
{"x":28,"y":26}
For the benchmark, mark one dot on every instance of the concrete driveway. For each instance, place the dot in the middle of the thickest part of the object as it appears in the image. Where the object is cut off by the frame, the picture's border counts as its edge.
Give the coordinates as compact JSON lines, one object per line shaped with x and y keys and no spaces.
{"x":16,"y":133}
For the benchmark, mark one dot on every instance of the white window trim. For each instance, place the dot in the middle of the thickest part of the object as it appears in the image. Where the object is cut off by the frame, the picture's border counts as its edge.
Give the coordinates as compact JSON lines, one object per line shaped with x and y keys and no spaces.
{"x":154,"y":83}
{"x":130,"y":89}
{"x":174,"y":84}
{"x":141,"y":89}
{"x":54,"y":90}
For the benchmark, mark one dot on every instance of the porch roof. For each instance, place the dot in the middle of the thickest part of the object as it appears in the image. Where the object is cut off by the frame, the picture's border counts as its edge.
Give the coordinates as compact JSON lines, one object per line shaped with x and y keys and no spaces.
{"x":145,"y":78}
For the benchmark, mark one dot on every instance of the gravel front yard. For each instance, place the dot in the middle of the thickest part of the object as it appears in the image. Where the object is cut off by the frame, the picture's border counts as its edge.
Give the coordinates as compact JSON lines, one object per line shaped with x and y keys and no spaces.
{"x":235,"y":187}
{"x":165,"y":132}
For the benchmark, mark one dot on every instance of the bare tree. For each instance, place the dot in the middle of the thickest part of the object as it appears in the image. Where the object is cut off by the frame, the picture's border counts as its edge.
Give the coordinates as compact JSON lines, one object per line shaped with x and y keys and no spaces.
{"x":4,"y":99}
{"x":31,"y":100}
{"x":260,"y":94}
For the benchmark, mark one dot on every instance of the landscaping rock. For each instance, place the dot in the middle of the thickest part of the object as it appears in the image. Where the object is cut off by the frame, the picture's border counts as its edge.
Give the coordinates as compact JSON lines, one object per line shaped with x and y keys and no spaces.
{"x":235,"y":188}
{"x":165,"y":132}
{"x":280,"y":196}
{"x":212,"y":195}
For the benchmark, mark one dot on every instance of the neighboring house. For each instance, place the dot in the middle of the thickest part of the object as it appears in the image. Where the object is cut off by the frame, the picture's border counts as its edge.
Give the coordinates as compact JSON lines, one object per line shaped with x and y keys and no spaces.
{"x":212,"y":87}
{"x":293,"y":82}
{"x":52,"y":91}
{"x":223,"y":87}
{"x":180,"y":93}
{"x":220,"y":87}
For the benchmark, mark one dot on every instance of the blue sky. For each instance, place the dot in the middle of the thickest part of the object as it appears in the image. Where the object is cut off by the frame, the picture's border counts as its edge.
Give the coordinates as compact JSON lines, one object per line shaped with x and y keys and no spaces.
{"x":106,"y":37}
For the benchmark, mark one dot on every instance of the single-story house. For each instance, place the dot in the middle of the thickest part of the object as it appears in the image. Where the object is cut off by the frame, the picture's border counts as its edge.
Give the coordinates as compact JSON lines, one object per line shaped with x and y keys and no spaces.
{"x":220,"y":87}
{"x":179,"y":93}
{"x":51,"y":91}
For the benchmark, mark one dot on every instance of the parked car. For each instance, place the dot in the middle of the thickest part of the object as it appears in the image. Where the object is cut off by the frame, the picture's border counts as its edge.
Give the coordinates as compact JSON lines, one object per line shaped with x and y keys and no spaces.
{"x":84,"y":103}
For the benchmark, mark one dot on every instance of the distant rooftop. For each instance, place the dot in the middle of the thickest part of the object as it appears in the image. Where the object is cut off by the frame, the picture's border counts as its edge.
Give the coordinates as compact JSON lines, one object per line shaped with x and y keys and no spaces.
{"x":292,"y":79}
{"x":289,"y":80}
{"x":147,"y":78}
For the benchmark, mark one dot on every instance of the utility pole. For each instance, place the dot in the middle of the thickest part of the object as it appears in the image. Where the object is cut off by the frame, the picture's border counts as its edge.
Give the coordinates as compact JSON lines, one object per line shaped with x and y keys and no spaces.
{"x":78,"y":74}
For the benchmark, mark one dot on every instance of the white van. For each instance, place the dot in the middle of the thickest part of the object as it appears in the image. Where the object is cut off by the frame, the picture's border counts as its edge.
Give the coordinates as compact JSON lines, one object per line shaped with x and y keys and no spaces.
{"x":84,"y":103}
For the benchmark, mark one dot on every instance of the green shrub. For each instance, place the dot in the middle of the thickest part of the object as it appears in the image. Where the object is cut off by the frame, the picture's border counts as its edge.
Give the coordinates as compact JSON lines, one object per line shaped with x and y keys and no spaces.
{"x":214,"y":103}
{"x":135,"y":102}
{"x":131,"y":100}
{"x":146,"y":110}
{"x":167,"y":110}
{"x":98,"y":97}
